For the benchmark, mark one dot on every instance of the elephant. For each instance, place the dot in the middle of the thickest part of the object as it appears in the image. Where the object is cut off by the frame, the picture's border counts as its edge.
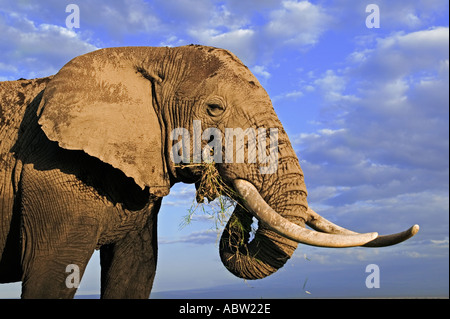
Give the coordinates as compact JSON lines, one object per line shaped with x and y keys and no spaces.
{"x":87,"y":155}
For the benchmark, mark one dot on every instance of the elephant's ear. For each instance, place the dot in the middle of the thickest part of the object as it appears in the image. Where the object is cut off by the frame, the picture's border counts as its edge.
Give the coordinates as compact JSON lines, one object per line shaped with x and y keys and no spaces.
{"x":104,"y":104}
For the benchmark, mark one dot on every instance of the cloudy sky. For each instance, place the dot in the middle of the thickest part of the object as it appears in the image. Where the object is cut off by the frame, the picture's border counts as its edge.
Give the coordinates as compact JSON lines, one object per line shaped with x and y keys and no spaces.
{"x":366,"y":109}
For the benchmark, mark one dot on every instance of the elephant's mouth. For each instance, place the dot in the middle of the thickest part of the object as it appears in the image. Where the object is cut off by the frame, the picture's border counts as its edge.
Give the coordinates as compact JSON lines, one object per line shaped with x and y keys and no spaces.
{"x":325,"y":233}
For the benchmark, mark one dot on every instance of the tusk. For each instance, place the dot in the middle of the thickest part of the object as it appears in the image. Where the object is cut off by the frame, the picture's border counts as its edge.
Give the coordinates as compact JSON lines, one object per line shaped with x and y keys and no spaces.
{"x":320,"y":223}
{"x":263,"y":212}
{"x":393,"y":239}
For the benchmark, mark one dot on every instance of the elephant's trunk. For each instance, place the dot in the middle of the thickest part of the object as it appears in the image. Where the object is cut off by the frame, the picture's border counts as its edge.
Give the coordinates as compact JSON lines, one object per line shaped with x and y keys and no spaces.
{"x":285,"y":192}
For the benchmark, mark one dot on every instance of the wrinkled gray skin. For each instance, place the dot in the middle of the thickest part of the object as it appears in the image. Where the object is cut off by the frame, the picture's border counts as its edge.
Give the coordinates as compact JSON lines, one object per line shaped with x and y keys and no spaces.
{"x":84,"y":165}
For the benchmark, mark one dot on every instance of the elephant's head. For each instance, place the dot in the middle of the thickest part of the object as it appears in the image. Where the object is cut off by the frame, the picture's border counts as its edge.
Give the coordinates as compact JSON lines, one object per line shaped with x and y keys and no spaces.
{"x":147,"y":111}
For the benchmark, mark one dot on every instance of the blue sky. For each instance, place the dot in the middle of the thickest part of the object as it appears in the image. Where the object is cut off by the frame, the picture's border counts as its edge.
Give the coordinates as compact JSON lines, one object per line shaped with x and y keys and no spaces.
{"x":366,"y":110}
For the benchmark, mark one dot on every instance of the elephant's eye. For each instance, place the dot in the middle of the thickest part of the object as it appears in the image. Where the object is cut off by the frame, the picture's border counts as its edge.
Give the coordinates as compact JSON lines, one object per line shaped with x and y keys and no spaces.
{"x":215,"y":109}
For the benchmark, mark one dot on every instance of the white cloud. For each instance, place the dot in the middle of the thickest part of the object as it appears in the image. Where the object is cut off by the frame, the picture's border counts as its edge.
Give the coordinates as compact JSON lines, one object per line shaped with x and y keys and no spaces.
{"x":181,"y":195}
{"x":412,"y":20}
{"x":405,"y":99}
{"x":110,"y":21}
{"x":406,"y":15}
{"x":293,"y":94}
{"x":333,"y":87}
{"x":260,"y":70}
{"x":330,"y":132}
{"x":239,"y":41}
{"x":207,"y":237}
{"x":403,"y":53}
{"x":172,"y":41}
{"x":31,"y":47}
{"x":443,"y":242}
{"x":121,"y":18}
{"x":297,"y":23}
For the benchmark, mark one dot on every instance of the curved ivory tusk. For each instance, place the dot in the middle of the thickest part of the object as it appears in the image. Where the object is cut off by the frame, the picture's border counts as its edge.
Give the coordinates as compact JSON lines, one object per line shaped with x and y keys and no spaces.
{"x":388,"y":240}
{"x":263,"y":212}
{"x":320,"y":223}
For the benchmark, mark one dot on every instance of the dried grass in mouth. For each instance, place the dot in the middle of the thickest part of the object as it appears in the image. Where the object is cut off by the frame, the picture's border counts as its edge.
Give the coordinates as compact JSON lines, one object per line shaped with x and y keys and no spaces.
{"x":220,"y":197}
{"x":211,"y":185}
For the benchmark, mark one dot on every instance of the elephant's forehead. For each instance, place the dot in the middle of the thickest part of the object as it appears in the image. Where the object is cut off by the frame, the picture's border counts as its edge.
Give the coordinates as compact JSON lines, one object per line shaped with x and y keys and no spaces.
{"x":233,"y":66}
{"x":221,"y":64}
